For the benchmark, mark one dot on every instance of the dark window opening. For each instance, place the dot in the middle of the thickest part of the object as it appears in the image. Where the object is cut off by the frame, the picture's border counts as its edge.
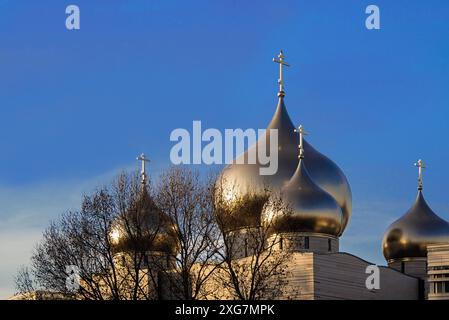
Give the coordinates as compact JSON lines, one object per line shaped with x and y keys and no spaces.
{"x":446,"y":286}
{"x":306,"y":242}
{"x":438,"y":287}
{"x":402,"y":266}
{"x":329,"y":245}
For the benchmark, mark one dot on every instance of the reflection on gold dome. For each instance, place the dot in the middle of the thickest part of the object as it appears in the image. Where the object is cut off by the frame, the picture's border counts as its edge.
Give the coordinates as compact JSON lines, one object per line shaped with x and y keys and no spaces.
{"x":243,"y":178}
{"x":115,"y":236}
{"x":144,"y":227}
{"x":409,"y":236}
{"x":312,"y":210}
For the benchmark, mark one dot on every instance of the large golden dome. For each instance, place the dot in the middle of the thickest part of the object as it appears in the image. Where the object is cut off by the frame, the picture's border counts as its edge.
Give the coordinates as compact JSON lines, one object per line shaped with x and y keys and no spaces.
{"x":239,"y":179}
{"x":409,"y":236}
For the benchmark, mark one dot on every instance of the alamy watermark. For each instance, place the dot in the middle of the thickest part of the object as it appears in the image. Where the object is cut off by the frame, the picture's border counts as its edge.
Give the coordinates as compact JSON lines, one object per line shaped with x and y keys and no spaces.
{"x":211,"y":147}
{"x":73,"y":279}
{"x":372,"y":22}
{"x":73,"y":20}
{"x":372,"y":282}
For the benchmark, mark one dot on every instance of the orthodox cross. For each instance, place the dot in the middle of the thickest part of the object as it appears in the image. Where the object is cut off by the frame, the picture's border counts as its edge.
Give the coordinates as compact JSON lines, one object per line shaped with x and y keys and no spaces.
{"x":143,"y":171}
{"x":302,"y":133}
{"x":420,"y":166}
{"x":280,"y":60}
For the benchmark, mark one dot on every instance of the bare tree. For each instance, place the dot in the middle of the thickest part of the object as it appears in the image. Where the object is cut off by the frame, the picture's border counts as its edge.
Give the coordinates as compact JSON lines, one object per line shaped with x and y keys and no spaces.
{"x":24,"y":281}
{"x":129,"y":241}
{"x":81,"y":244}
{"x":254,"y":265}
{"x":188,"y":201}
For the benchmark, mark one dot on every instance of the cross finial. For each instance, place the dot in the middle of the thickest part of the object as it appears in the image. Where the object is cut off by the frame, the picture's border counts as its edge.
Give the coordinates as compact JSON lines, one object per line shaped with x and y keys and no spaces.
{"x":280,"y":60}
{"x":302,"y":133}
{"x":420,"y":165}
{"x":143,"y":172}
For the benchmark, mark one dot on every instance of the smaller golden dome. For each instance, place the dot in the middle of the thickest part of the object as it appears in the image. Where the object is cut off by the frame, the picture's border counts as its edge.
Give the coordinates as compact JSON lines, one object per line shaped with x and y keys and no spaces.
{"x":409,"y":236}
{"x":144,"y":227}
{"x":312,"y":210}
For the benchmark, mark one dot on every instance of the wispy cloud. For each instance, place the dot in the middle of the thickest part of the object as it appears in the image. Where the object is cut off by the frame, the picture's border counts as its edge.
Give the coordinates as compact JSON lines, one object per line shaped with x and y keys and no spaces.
{"x":25,"y":211}
{"x":15,"y":250}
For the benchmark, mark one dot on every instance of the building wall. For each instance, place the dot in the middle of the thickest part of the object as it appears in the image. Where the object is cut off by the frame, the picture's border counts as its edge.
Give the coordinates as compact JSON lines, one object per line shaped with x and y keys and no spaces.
{"x":244,"y":240}
{"x":438,"y":272}
{"x":307,"y":242}
{"x":343,"y":276}
{"x":338,"y":276}
{"x":413,"y":267}
{"x":300,"y":277}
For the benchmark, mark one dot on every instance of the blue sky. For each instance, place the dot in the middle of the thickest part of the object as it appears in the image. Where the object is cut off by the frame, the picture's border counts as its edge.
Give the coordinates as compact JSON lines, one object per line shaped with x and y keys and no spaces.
{"x":76,"y":107}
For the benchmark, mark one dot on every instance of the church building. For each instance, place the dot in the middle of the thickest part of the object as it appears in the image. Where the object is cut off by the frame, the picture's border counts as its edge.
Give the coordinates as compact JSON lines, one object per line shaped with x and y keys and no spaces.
{"x":415,"y":246}
{"x":320,"y":196}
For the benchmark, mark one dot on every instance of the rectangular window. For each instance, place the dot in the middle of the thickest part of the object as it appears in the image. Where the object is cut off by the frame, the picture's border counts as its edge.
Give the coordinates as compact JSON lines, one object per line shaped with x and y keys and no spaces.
{"x":329,"y":245}
{"x":439,"y":287}
{"x":306,"y":242}
{"x":446,"y":286}
{"x":402,"y":266}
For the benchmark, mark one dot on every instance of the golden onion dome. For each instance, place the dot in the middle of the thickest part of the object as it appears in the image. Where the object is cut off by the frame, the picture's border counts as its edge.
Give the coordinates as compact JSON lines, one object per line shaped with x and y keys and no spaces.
{"x":239,"y":179}
{"x":409,"y":236}
{"x":144,"y":228}
{"x":311,"y":209}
